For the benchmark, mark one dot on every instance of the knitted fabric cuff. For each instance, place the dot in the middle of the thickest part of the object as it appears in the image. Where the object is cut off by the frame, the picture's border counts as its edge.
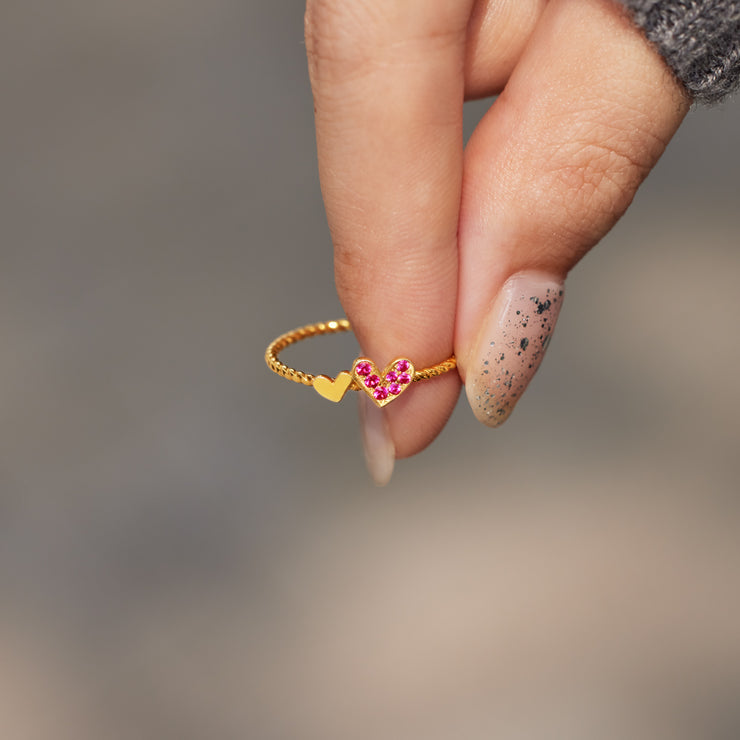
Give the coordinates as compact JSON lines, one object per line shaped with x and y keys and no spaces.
{"x":699,"y":40}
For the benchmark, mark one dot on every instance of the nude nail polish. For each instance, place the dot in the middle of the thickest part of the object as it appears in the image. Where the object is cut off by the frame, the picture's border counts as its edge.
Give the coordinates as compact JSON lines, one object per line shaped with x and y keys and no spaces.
{"x":511,"y":344}
{"x":380,"y":452}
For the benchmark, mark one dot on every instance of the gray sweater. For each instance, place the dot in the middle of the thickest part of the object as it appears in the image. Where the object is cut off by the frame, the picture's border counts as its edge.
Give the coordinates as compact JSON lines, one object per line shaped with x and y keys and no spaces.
{"x":699,"y":40}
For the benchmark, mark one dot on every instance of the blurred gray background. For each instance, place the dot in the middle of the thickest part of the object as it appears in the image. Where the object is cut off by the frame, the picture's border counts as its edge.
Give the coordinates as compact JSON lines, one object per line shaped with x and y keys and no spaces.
{"x":190,"y":546}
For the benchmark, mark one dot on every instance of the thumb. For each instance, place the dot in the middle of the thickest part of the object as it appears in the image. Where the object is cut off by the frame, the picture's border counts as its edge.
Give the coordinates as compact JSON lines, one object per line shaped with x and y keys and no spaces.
{"x":554,"y":163}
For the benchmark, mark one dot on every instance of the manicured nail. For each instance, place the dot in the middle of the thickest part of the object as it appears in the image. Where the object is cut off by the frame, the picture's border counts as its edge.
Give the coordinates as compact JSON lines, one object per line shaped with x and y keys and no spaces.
{"x":511,"y":344}
{"x":380,"y":453}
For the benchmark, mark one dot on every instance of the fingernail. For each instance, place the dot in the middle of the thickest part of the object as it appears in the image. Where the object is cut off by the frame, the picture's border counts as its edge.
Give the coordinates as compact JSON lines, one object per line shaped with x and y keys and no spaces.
{"x":511,"y":344}
{"x":380,"y":453}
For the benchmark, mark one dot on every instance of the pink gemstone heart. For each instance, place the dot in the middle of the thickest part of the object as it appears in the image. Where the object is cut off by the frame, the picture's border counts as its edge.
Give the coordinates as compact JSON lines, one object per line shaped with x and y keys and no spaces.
{"x":383,"y":387}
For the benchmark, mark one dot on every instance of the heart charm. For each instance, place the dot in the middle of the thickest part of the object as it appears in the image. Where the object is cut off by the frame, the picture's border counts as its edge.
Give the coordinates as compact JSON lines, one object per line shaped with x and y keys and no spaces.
{"x":333,"y":390}
{"x":386,"y":386}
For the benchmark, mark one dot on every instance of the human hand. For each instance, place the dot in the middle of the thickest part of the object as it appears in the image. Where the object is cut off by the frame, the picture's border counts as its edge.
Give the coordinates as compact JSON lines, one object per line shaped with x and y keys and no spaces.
{"x":436,"y":248}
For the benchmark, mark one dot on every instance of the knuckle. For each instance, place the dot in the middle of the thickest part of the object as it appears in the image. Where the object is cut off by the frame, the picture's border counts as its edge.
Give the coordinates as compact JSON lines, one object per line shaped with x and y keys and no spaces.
{"x":596,"y":175}
{"x":335,"y":33}
{"x":352,"y":277}
{"x":587,"y":173}
{"x":346,"y":39}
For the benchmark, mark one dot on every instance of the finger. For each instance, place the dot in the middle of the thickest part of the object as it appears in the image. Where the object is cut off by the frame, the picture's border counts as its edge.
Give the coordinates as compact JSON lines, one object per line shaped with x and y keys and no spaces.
{"x":498,"y":32}
{"x":551,"y":167}
{"x":388,"y":87}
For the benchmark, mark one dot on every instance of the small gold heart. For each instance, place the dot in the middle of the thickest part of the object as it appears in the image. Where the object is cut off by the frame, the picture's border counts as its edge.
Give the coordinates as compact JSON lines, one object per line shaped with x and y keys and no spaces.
{"x":383,"y":387}
{"x":335,"y":389}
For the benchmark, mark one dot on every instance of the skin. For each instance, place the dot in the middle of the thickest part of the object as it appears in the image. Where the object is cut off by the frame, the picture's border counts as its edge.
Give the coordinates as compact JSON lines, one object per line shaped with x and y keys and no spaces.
{"x":425,"y":234}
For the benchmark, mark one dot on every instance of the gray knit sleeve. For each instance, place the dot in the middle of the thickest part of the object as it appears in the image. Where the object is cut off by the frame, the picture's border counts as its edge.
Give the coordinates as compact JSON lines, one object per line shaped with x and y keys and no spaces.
{"x":699,"y":39}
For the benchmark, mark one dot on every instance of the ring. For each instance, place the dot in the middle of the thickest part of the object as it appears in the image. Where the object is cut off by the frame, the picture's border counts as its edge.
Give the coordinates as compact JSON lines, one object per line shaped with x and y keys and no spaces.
{"x":382,"y":387}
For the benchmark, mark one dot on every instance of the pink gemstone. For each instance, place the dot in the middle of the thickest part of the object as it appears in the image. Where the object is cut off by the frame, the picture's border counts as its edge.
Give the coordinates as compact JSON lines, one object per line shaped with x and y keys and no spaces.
{"x":394,"y":389}
{"x":402,"y":366}
{"x":391,"y":377}
{"x":404,"y":378}
{"x":380,"y":394}
{"x":364,"y":368}
{"x":372,"y":382}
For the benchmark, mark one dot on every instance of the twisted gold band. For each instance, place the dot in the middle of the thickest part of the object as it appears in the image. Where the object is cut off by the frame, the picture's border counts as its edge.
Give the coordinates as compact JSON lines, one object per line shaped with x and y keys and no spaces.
{"x":383,"y":387}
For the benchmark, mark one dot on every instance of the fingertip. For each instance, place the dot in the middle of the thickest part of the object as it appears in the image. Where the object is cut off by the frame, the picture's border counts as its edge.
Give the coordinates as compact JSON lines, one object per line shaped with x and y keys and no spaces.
{"x":416,"y":421}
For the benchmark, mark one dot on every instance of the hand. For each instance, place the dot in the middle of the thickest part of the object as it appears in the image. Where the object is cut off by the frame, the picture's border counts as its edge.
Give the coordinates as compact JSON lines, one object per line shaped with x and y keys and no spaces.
{"x":436,"y":248}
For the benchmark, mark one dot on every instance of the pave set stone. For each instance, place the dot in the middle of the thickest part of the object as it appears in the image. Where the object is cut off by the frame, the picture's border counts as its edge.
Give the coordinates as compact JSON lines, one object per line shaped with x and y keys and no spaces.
{"x":386,"y":386}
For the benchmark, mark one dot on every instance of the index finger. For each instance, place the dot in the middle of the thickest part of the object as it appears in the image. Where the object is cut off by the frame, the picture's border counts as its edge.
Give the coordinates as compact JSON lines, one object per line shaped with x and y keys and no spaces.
{"x":388,"y":88}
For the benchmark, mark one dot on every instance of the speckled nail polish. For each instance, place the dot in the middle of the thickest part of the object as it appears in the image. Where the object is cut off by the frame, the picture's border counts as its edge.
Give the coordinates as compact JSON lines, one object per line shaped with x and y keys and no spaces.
{"x":511,"y":344}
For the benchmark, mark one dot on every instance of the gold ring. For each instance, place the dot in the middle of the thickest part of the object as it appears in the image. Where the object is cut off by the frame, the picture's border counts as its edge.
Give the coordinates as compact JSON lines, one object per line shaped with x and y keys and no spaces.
{"x":382,"y":387}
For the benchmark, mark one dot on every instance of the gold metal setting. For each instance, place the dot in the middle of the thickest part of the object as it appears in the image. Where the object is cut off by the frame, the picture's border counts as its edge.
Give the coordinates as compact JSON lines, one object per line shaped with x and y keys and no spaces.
{"x":382,"y":387}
